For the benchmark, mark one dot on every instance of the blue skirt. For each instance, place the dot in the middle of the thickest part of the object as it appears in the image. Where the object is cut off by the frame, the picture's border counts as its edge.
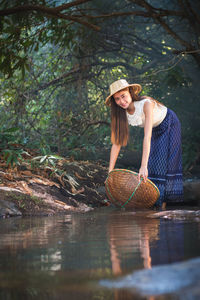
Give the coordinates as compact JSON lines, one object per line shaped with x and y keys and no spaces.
{"x":165,"y":159}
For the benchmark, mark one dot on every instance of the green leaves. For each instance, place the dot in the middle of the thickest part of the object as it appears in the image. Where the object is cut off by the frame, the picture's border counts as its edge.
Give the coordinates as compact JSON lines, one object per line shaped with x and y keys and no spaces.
{"x":56,"y":72}
{"x":10,"y":149}
{"x":13,"y":156}
{"x":7,"y":137}
{"x":47,"y":159}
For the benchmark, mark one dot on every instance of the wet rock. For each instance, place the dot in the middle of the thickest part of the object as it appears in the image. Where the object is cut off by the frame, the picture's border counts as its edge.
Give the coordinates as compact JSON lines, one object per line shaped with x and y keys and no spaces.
{"x":193,"y":215}
{"x":192,"y":191}
{"x":163,"y":279}
{"x":8,"y":208}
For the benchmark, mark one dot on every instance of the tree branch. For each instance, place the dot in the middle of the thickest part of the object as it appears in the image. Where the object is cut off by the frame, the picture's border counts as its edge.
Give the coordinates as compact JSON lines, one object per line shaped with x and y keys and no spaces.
{"x":189,"y":47}
{"x":140,"y":13}
{"x":53,"y":12}
{"x":71,"y":4}
{"x":193,"y":12}
{"x":94,"y":123}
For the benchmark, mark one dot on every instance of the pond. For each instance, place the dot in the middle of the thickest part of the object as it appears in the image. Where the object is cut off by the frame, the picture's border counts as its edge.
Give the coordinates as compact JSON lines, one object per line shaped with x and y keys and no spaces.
{"x":66,"y":257}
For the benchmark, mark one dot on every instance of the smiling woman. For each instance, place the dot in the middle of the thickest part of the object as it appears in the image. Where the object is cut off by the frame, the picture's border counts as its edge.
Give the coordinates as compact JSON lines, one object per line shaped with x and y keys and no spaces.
{"x":161,"y":156}
{"x":123,"y":98}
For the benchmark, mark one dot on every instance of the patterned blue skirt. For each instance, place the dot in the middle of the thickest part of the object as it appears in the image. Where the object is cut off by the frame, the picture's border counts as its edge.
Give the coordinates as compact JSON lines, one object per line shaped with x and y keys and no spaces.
{"x":165,"y":160}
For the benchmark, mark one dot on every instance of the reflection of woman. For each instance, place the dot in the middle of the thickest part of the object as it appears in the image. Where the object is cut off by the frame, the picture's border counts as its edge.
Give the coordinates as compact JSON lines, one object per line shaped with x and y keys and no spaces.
{"x":161,"y":155}
{"x":129,"y":240}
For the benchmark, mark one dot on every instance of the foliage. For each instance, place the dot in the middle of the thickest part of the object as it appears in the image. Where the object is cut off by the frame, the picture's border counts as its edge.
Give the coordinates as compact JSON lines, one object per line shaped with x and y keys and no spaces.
{"x":11,"y":151}
{"x":8,"y":137}
{"x":12,"y":156}
{"x":55,"y":71}
{"x":46,"y":160}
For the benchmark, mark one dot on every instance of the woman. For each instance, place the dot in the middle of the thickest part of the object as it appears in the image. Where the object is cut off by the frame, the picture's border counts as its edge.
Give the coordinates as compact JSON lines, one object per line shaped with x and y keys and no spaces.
{"x":161,"y":155}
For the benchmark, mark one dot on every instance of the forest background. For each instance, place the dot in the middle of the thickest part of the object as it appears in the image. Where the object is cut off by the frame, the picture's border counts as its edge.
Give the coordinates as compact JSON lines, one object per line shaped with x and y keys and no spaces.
{"x":57,"y":59}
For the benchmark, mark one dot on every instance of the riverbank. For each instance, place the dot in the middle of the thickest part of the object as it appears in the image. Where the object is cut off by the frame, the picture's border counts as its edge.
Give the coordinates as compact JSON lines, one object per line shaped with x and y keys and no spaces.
{"x":76,"y":186}
{"x":68,"y":186}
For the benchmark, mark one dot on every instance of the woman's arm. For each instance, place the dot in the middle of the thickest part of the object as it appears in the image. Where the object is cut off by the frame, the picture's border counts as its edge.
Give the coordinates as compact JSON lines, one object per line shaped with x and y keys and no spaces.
{"x":148,"y":111}
{"x":113,"y":156}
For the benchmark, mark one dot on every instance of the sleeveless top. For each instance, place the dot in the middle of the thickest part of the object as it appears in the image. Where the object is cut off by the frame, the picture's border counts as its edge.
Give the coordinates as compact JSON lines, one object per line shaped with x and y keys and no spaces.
{"x":138,"y":118}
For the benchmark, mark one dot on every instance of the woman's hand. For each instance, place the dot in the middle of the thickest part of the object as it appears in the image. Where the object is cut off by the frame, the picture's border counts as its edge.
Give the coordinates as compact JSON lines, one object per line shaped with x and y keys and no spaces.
{"x":143,"y":172}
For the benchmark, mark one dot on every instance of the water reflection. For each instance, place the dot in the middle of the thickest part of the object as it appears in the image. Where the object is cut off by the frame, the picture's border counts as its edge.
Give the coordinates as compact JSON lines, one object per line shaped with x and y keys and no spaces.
{"x":130,"y":236}
{"x":69,"y":254}
{"x":24,"y":233}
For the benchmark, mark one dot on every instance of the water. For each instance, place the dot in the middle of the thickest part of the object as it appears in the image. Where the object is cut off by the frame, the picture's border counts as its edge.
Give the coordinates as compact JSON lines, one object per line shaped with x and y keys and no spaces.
{"x":65,"y":257}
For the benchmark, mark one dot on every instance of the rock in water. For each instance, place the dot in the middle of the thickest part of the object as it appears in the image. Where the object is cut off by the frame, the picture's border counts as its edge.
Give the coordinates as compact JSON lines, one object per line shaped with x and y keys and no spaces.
{"x":177,"y":214}
{"x":160,"y":279}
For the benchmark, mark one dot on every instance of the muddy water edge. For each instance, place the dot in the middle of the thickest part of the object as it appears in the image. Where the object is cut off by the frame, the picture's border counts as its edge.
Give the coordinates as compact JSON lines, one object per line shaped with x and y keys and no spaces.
{"x":65,"y":257}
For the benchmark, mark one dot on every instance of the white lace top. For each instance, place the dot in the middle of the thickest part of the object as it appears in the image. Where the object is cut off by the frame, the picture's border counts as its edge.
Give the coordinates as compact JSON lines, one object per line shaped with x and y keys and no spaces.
{"x":138,"y":118}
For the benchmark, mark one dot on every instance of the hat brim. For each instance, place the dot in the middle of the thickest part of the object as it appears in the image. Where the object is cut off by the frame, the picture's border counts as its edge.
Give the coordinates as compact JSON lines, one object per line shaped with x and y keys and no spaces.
{"x":135,"y":86}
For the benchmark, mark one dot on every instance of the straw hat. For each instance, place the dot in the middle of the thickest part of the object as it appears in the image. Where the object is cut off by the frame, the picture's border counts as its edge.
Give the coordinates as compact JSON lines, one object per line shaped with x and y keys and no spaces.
{"x":120,"y":85}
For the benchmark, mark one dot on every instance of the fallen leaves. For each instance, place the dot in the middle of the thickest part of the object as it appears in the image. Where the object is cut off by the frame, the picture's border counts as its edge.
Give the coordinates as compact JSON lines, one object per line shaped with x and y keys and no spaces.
{"x":75,"y":192}
{"x":66,"y":175}
{"x":43,"y":181}
{"x":79,"y":176}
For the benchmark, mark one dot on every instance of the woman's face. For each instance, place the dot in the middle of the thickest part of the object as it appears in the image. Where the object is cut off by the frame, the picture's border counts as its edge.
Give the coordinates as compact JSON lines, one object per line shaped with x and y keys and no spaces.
{"x":123,"y":98}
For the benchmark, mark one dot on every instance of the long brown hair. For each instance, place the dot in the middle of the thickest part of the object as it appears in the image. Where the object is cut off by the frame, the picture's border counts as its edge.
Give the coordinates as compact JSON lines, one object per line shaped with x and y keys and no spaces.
{"x":119,"y":121}
{"x":119,"y":124}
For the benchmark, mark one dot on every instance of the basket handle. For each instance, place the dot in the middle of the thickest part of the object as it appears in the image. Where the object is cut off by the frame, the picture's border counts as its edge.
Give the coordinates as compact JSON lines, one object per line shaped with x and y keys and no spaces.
{"x":133,"y":193}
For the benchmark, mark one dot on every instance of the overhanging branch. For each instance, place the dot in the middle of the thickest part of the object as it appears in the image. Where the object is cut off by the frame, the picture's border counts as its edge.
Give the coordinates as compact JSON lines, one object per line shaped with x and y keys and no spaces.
{"x":48,"y":11}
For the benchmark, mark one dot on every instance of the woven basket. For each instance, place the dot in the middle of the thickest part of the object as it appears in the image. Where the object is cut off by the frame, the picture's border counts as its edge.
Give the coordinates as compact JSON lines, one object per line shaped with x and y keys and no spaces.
{"x":124,"y":190}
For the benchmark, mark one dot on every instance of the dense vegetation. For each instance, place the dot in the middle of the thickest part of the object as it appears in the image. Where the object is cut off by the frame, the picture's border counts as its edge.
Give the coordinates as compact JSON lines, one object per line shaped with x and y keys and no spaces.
{"x":57,"y":59}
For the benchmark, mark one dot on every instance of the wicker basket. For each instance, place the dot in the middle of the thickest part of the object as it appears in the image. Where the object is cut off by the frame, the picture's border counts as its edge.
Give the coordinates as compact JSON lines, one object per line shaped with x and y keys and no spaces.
{"x":124,"y":190}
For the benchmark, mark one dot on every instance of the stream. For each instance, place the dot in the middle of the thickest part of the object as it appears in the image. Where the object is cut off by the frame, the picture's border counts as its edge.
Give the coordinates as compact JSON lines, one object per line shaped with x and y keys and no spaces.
{"x":79,"y":256}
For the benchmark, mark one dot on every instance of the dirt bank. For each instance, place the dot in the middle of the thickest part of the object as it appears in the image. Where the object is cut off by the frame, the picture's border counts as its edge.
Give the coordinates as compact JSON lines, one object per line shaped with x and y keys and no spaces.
{"x":69,"y":186}
{"x":66,"y":186}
